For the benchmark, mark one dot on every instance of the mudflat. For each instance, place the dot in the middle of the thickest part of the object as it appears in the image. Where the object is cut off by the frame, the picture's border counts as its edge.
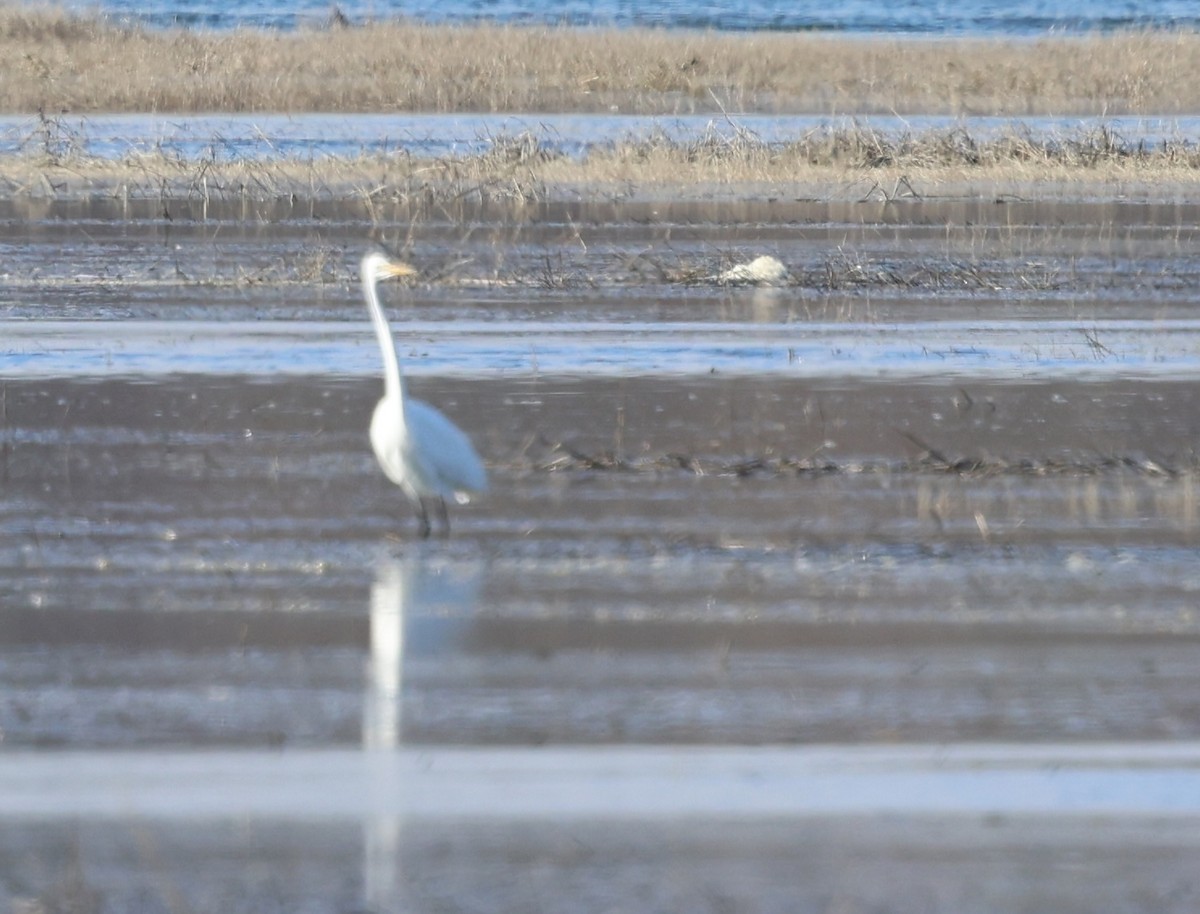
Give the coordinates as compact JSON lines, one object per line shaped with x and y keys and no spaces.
{"x":930,"y":495}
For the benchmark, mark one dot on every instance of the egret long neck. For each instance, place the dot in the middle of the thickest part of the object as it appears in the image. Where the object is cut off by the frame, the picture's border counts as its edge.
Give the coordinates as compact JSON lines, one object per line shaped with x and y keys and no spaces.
{"x":393,"y":383}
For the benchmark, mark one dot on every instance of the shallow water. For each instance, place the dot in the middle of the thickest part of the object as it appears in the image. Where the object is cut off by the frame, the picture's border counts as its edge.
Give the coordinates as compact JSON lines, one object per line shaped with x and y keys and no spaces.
{"x":925,"y":495}
{"x":983,"y":350}
{"x":271,"y":137}
{"x":977,"y":17}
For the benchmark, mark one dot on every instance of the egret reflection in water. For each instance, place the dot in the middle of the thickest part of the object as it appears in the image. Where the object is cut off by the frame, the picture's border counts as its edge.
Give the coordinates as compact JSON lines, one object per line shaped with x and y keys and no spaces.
{"x":415,"y":605}
{"x":419,"y":605}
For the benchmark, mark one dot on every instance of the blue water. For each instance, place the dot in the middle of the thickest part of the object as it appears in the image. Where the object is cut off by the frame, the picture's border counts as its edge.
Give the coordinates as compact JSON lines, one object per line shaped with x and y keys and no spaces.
{"x":947,"y":17}
{"x":247,"y":137}
{"x":1001,"y":350}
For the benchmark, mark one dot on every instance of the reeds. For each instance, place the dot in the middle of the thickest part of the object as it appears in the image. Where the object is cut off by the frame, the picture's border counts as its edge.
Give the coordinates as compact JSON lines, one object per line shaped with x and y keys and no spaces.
{"x":57,"y":61}
{"x":853,"y":147}
{"x":841,"y":162}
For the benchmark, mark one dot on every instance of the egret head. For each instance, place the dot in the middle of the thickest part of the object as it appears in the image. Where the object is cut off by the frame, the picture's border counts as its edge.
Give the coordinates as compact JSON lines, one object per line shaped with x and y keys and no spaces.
{"x":378,"y":266}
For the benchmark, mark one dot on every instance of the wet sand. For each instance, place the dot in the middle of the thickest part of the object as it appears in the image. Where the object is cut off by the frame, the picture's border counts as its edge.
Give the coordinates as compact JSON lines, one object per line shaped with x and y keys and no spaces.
{"x":965,"y":515}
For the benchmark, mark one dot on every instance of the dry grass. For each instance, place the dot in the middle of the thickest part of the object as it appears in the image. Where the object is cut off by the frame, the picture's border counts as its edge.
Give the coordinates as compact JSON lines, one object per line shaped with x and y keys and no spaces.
{"x":848,"y":162}
{"x":735,"y":156}
{"x":55,"y":61}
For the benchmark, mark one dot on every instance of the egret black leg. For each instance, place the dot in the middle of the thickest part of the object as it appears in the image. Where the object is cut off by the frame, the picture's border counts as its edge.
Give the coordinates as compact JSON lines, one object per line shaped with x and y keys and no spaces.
{"x":444,"y":515}
{"x":424,"y":527}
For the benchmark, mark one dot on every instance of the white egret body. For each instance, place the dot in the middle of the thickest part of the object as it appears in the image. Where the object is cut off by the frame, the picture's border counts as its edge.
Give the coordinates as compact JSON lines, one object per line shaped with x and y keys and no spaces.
{"x":419,"y":449}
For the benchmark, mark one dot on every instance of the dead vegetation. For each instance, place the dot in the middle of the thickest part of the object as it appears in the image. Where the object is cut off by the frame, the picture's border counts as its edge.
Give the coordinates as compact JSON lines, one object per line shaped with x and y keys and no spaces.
{"x":838,"y":161}
{"x":54,"y":161}
{"x":901,"y":162}
{"x":54,"y":60}
{"x":561,"y":457}
{"x":840,"y":270}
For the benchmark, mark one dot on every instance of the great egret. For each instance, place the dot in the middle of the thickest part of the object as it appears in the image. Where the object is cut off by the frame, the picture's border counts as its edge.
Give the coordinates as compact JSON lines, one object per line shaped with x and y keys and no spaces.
{"x":420,"y":450}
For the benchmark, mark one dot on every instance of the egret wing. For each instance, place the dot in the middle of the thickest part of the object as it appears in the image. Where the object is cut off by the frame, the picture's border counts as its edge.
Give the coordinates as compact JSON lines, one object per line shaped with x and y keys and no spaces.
{"x":442,"y":452}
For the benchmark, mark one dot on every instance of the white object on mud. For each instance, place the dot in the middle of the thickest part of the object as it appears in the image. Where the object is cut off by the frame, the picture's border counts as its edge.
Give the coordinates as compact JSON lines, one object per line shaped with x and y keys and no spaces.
{"x":761,"y":271}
